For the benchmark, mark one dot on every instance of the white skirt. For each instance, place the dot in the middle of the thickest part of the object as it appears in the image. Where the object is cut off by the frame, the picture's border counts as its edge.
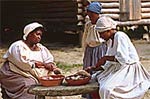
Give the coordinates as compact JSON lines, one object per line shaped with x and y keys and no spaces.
{"x":123,"y":82}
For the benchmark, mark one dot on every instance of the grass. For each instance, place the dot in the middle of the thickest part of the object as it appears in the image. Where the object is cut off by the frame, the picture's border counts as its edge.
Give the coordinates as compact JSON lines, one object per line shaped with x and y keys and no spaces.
{"x":66,"y":67}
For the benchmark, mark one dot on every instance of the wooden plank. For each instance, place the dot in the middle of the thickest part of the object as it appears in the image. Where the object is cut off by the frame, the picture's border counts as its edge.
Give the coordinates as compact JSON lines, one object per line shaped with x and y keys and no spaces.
{"x":55,"y":20}
{"x":145,"y":4}
{"x":145,"y":10}
{"x":110,"y":5}
{"x":111,"y":11}
{"x":49,"y":4}
{"x":51,"y":10}
{"x":46,"y":15}
{"x":106,"y":0}
{"x":130,"y":10}
{"x":135,"y":10}
{"x":124,"y":10}
{"x":145,"y":0}
{"x":145,"y":15}
{"x":138,"y":22}
{"x":114,"y":16}
{"x":38,"y":0}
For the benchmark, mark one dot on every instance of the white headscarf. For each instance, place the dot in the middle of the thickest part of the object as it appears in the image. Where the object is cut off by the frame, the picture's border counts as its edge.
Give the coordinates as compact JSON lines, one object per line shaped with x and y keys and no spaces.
{"x":29,"y":28}
{"x":105,"y":23}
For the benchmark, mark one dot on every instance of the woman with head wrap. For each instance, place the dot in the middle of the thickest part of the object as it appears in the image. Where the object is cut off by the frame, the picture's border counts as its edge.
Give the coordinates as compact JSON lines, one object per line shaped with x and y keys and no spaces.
{"x":93,"y":45}
{"x":26,"y":60}
{"x":123,"y":77}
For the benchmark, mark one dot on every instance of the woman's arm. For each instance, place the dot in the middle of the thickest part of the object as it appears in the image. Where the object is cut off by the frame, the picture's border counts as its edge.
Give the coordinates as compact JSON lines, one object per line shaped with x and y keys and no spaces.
{"x":102,"y":61}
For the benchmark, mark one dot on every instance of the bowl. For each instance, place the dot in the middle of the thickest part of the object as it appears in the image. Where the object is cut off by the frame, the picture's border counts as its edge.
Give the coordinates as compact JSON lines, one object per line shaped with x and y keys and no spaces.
{"x":76,"y":80}
{"x":51,"y":80}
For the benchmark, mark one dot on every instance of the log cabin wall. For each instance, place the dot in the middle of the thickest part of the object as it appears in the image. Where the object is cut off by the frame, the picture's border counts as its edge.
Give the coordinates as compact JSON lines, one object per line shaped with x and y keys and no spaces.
{"x":64,"y":19}
{"x":128,"y":12}
{"x":58,"y":16}
{"x":145,"y":9}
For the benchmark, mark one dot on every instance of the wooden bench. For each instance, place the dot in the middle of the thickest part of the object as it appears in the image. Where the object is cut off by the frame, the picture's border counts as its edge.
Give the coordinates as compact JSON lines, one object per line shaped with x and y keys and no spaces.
{"x":62,"y":90}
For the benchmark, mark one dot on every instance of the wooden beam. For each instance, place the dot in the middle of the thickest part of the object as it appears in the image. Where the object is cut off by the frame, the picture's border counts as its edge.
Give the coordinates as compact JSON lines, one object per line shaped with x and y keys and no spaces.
{"x":145,"y":15}
{"x":110,"y":11}
{"x":135,"y":10}
{"x":145,"y":10}
{"x":114,"y":16}
{"x":144,"y":0}
{"x":145,"y":4}
{"x":106,"y":0}
{"x":124,"y":10}
{"x":138,"y":22}
{"x":110,"y":5}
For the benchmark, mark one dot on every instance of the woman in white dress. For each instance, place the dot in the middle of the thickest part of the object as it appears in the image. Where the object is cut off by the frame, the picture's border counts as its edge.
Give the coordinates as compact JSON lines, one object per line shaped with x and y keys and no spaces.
{"x":123,"y":77}
{"x":26,"y":60}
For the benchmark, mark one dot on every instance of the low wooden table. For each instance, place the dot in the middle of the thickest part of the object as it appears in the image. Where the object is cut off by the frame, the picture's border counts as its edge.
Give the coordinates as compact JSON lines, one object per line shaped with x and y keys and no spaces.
{"x":62,"y":90}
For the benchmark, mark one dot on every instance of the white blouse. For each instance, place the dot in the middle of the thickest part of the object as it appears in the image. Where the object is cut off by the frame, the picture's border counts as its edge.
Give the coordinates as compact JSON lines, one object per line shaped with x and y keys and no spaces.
{"x":122,"y":48}
{"x":23,"y":58}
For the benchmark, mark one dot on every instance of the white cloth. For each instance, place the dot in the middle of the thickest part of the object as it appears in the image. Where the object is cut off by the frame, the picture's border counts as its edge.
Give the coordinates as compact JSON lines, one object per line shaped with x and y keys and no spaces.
{"x":90,"y":36}
{"x":23,"y":58}
{"x":0,"y":92}
{"x":124,"y":80}
{"x":29,"y":28}
{"x":105,"y":23}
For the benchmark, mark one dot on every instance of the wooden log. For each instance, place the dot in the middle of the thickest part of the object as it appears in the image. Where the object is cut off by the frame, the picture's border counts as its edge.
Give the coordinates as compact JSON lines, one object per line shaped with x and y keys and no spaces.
{"x":80,"y":17}
{"x":106,"y":0}
{"x":80,"y":10}
{"x":145,"y":0}
{"x":145,"y":4}
{"x":55,"y":20}
{"x":110,"y":11}
{"x":46,"y":0}
{"x":138,"y":22}
{"x":114,"y":16}
{"x":49,"y":4}
{"x":110,"y":5}
{"x":80,"y":5}
{"x":145,"y":15}
{"x":51,"y":10}
{"x":145,"y":10}
{"x":50,"y":15}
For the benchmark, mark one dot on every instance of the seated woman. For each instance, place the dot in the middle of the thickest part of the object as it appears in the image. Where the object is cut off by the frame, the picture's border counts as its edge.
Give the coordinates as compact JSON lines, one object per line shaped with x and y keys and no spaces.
{"x":124,"y":77}
{"x":26,"y":60}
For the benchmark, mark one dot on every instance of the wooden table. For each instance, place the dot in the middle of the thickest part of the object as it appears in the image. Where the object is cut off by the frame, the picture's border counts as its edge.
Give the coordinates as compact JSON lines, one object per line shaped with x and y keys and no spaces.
{"x":62,"y":90}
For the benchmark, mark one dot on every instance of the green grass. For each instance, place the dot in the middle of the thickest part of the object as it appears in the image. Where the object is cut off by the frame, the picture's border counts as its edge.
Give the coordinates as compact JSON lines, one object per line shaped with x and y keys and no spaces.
{"x":67,"y":67}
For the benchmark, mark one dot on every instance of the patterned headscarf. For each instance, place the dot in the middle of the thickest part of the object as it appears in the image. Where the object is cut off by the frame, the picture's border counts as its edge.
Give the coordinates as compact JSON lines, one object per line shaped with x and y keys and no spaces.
{"x":95,"y":7}
{"x":105,"y":23}
{"x":29,"y":28}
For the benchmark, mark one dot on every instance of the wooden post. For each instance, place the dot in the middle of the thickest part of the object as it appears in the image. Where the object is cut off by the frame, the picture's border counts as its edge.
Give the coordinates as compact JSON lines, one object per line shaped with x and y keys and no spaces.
{"x":130,"y":10}
{"x":124,"y":10}
{"x":135,"y":9}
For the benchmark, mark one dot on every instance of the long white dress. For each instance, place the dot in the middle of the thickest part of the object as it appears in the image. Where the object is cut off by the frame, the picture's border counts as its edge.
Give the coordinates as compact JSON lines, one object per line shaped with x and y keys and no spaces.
{"x":17,"y":74}
{"x":127,"y":78}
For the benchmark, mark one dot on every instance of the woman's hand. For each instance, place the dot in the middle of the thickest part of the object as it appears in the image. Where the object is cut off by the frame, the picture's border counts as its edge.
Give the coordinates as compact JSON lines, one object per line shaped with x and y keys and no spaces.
{"x":93,"y":68}
{"x":102,"y":61}
{"x":57,"y":71}
{"x":39,"y":64}
{"x":50,"y":66}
